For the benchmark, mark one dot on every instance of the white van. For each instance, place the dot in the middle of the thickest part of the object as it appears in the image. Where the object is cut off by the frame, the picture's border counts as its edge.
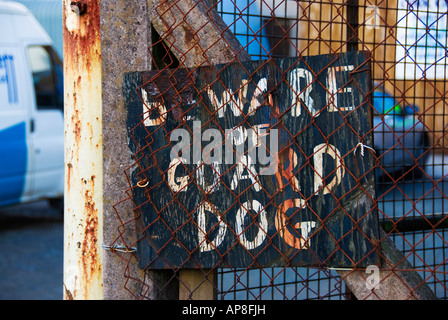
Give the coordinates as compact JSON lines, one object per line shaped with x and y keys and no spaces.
{"x":31,"y":110}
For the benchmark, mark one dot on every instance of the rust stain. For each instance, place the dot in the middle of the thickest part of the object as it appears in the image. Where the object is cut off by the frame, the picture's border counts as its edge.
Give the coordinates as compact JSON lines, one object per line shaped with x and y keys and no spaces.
{"x":82,"y":41}
{"x":69,"y":176}
{"x":82,"y":35}
{"x":89,"y":247}
{"x":189,"y":34}
{"x":76,"y":125}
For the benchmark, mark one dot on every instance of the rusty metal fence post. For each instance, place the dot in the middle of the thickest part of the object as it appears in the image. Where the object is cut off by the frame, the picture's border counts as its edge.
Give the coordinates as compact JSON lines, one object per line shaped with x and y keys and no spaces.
{"x":102,"y":39}
{"x":83,"y":227}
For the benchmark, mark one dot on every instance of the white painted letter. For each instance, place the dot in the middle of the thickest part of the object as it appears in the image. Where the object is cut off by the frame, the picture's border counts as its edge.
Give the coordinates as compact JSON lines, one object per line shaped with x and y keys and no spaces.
{"x":262,"y":86}
{"x":245,"y":163}
{"x":319,"y":167}
{"x":227,"y":99}
{"x":262,"y":225}
{"x":204,"y":244}
{"x":180,"y":183}
{"x":294,"y":80}
{"x":333,"y":90}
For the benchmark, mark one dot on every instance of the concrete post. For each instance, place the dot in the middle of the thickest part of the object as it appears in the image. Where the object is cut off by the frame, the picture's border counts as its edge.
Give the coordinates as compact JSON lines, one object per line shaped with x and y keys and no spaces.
{"x":125,"y":39}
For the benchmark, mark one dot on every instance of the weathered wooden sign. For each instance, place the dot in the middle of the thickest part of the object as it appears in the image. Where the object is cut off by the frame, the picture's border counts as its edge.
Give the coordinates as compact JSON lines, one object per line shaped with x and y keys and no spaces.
{"x":261,"y":163}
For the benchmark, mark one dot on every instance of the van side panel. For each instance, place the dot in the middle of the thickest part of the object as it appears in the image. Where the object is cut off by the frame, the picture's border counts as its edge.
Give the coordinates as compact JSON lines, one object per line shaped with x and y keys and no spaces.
{"x":13,"y":161}
{"x":15,"y":158}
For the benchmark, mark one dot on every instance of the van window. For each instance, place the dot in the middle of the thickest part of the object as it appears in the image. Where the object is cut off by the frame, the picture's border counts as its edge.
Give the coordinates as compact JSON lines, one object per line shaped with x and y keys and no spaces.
{"x":46,"y":68}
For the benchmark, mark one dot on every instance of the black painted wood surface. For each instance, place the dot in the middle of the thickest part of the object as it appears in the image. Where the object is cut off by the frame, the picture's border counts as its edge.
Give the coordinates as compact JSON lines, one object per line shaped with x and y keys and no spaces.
{"x":218,"y":211}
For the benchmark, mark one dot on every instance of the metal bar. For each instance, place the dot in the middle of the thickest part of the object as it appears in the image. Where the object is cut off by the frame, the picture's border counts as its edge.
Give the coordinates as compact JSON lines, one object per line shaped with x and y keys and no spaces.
{"x":420,"y":223}
{"x":352,"y":27}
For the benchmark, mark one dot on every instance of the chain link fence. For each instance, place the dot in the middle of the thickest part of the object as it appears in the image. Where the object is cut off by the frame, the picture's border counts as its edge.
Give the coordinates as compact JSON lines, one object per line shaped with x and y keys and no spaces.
{"x":212,"y":54}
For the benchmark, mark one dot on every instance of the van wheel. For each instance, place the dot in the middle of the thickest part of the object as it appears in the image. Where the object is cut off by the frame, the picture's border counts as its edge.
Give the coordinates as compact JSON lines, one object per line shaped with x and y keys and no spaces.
{"x":57,"y":204}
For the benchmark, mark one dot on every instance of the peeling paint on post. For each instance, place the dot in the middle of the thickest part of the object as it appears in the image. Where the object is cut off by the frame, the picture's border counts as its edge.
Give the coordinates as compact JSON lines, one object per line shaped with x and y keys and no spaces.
{"x":83,"y":225}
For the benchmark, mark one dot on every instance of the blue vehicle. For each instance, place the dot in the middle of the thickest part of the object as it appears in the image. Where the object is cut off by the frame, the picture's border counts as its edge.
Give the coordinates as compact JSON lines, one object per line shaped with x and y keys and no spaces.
{"x":31,"y":116}
{"x":399,"y":136}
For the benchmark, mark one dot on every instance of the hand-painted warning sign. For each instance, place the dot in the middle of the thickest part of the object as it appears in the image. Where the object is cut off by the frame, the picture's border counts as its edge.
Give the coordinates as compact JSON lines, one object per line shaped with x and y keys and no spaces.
{"x":261,"y":163}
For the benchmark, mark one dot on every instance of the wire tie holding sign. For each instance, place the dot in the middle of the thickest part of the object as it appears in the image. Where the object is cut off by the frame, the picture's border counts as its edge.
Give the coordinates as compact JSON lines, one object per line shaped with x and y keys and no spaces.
{"x":143,"y":183}
{"x":362,"y":148}
{"x":119,"y":248}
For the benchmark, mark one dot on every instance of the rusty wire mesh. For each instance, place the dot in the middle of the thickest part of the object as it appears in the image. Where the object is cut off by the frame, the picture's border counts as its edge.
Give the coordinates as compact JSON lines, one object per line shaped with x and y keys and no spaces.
{"x":407,"y":42}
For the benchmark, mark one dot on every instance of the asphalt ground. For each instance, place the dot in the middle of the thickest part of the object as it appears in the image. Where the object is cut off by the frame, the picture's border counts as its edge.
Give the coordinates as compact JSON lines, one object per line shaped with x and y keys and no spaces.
{"x":31,"y":252}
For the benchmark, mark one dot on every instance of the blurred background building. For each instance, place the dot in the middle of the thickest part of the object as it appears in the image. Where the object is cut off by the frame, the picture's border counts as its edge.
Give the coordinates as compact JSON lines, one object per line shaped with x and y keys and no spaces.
{"x":49,"y":14}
